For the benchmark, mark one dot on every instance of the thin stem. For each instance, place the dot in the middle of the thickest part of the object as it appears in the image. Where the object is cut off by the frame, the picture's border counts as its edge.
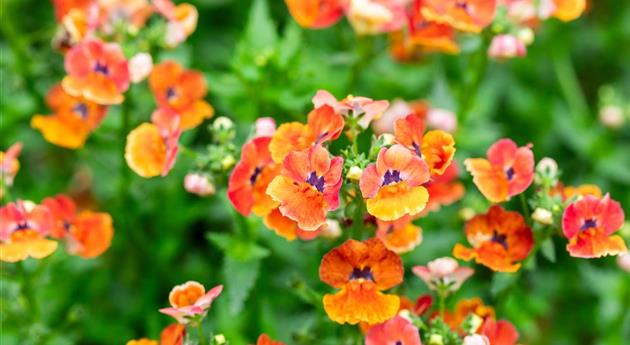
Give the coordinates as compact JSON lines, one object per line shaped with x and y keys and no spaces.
{"x":569,"y":84}
{"x":470,"y":89}
{"x":524,"y":205}
{"x":442,"y":302}
{"x":28,"y":292}
{"x":202,"y":337}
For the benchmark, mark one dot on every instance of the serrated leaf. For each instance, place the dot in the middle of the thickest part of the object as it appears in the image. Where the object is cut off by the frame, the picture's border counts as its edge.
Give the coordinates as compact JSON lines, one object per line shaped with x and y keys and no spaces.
{"x":240,"y":276}
{"x":548,"y":250}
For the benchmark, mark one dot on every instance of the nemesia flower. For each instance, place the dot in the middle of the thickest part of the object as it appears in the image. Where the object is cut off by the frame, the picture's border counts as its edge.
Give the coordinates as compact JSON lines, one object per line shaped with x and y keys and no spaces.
{"x":87,"y":234}
{"x":182,"y":92}
{"x":393,"y":186}
{"x":73,"y":120}
{"x":323,"y":124}
{"x":399,"y":236}
{"x":140,"y":66}
{"x":97,"y":71}
{"x":63,"y":7}
{"x":443,"y":272}
{"x":499,"y":332}
{"x":476,"y":339}
{"x":9,"y":164}
{"x":428,"y":35}
{"x":444,"y":189}
{"x":464,"y":309}
{"x":132,"y":13}
{"x":190,"y":300}
{"x":396,"y":331}
{"x":198,"y":184}
{"x":23,"y":230}
{"x":247,"y":187}
{"x":442,"y":119}
{"x":567,"y":10}
{"x":173,"y":334}
{"x":361,"y":270}
{"x":466,"y":15}
{"x":142,"y":341}
{"x":507,"y":172}
{"x":570,"y":192}
{"x":506,"y":47}
{"x":436,"y":147}
{"x":397,"y":110}
{"x":288,"y":228}
{"x":265,"y":127}
{"x":264,"y":339}
{"x":589,"y":223}
{"x":316,"y":14}
{"x":500,"y":239}
{"x":308,"y":186}
{"x":370,"y":17}
{"x":182,"y":20}
{"x":152,"y":148}
{"x":363,"y":108}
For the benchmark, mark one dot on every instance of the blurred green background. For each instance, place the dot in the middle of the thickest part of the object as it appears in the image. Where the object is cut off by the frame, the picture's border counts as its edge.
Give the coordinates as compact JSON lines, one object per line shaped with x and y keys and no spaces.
{"x":259,"y":63}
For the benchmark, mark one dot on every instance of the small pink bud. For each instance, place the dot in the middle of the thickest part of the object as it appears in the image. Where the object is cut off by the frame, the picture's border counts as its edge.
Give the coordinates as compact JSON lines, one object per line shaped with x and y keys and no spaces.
{"x":198,"y":184}
{"x":265,"y":127}
{"x":140,"y":66}
{"x":476,"y":339}
{"x":506,"y":47}
{"x":442,"y":119}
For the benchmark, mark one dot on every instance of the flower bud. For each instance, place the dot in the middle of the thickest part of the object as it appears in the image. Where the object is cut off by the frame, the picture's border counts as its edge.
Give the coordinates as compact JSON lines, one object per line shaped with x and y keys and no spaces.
{"x":332,"y":229}
{"x":387,"y":139}
{"x":228,"y":162}
{"x":526,"y":35}
{"x":542,"y":216}
{"x":547,"y":167}
{"x":222,"y":123}
{"x":198,"y":184}
{"x":265,"y":127}
{"x":506,"y":47}
{"x":354,"y":174}
{"x":436,"y":339}
{"x":623,"y":261}
{"x":219,"y":339}
{"x":476,"y":339}
{"x":611,"y":116}
{"x":140,"y":66}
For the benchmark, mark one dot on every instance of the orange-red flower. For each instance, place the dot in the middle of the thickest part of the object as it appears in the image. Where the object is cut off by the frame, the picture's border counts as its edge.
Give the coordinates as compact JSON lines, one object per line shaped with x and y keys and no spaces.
{"x":508,"y":171}
{"x":73,"y":119}
{"x":247,"y":188}
{"x":190,"y":300}
{"x":264,"y":339}
{"x":567,"y":10}
{"x":500,"y":239}
{"x":396,"y":331}
{"x":464,"y":308}
{"x":437,"y":147}
{"x":589,"y":223}
{"x":464,"y":15}
{"x":97,"y":71}
{"x":288,"y":228}
{"x":399,"y":236}
{"x":362,"y":108}
{"x":23,"y":230}
{"x":182,"y":20}
{"x":444,"y":189}
{"x":499,"y":332}
{"x":393,"y":186}
{"x":173,"y":334}
{"x":152,"y":148}
{"x":316,"y":13}
{"x":308,"y":186}
{"x":87,"y":234}
{"x":323,"y":124}
{"x":570,"y":192}
{"x":371,"y":17}
{"x":9,"y":164}
{"x":181,"y":91}
{"x":428,"y":35}
{"x":361,"y":270}
{"x":142,"y":341}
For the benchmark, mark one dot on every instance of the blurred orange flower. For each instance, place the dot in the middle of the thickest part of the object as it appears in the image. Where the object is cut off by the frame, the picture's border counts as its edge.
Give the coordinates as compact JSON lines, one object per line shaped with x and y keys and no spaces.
{"x":464,"y":308}
{"x":444,"y":189}
{"x":500,"y":239}
{"x":142,"y":341}
{"x":361,"y":270}
{"x":567,"y":10}
{"x":500,"y":332}
{"x":316,"y":13}
{"x":400,"y":235}
{"x":23,"y":230}
{"x":288,"y":228}
{"x":464,"y":15}
{"x":73,"y":120}
{"x":181,"y":91}
{"x":173,"y":334}
{"x":182,"y":20}
{"x":9,"y":165}
{"x":190,"y":300}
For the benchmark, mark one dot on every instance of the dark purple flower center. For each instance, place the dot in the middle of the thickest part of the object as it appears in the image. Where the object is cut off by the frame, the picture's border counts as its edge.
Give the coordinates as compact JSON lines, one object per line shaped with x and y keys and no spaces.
{"x":316,"y":181}
{"x":170,"y":93}
{"x":589,"y":223}
{"x":391,"y":176}
{"x":101,"y":68}
{"x":500,"y":239}
{"x":255,"y":174}
{"x":22,"y":226}
{"x":399,"y":342}
{"x":81,"y":110}
{"x":358,"y":273}
{"x":462,"y":5}
{"x":67,"y":225}
{"x":321,"y":136}
{"x":416,"y":148}
{"x":509,"y":173}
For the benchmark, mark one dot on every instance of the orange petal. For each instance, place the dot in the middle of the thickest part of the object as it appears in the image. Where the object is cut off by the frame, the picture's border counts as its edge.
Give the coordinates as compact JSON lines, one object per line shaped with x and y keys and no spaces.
{"x":438,"y":149}
{"x":397,"y":200}
{"x":292,"y":136}
{"x":92,"y":233}
{"x":491,"y":183}
{"x":299,"y":201}
{"x":145,"y":151}
{"x":360,"y":302}
{"x":64,"y":131}
{"x":194,"y":115}
{"x":567,"y":10}
{"x":594,"y":243}
{"x":18,"y":251}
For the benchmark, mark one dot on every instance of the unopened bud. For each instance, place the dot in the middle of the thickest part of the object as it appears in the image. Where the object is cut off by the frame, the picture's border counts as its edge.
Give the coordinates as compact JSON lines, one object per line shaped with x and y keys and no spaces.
{"x":547,"y":166}
{"x":354,"y":173}
{"x":436,"y":339}
{"x":526,"y":35}
{"x":466,"y":213}
{"x":542,"y":216}
{"x":222,"y":123}
{"x":228,"y":162}
{"x":611,"y":116}
{"x":387,"y":139}
{"x":219,"y":339}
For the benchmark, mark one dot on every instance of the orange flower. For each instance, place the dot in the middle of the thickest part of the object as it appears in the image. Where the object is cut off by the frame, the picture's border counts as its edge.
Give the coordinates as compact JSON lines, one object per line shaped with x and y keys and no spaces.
{"x":508,"y":171}
{"x":393,"y":186}
{"x":437,"y":147}
{"x":247,"y":188}
{"x":466,"y":307}
{"x":97,"y":71}
{"x":567,"y":10}
{"x":73,"y":120}
{"x":190,"y":301}
{"x":444,"y":189}
{"x":142,"y":341}
{"x":181,"y":91}
{"x":63,"y":7}
{"x":308,"y":186}
{"x":361,"y":270}
{"x":23,"y":230}
{"x":182,"y":20}
{"x":570,"y":192}
{"x":499,"y":238}
{"x":173,"y":334}
{"x":9,"y":164}
{"x":399,"y":236}
{"x":87,"y":234}
{"x":323,"y":124}
{"x":264,"y":339}
{"x":287,"y":228}
{"x":315,"y":13}
{"x":428,"y":35}
{"x":151,"y":148}
{"x":499,"y":332}
{"x":362,"y":108}
{"x":464,"y":15}
{"x":589,"y":223}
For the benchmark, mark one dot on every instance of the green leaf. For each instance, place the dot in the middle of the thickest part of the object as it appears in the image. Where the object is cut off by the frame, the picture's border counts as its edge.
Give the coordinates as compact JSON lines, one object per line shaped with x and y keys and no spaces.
{"x":240,"y":276}
{"x":238,"y":248}
{"x":502,"y":281}
{"x":260,"y":32}
{"x":290,"y":44}
{"x":548,"y":250}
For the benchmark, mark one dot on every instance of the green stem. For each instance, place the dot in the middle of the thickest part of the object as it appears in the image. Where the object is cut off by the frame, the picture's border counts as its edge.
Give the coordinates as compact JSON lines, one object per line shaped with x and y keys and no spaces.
{"x":28,"y":292}
{"x":569,"y":84}
{"x":524,"y":206}
{"x":202,"y":337}
{"x":442,"y":302}
{"x":471,"y":87}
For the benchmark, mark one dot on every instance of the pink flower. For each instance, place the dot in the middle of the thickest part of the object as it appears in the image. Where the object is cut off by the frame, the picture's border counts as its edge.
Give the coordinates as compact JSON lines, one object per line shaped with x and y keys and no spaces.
{"x":140,"y":66}
{"x":189,"y":301}
{"x":182,"y":20}
{"x":265,"y":127}
{"x":623,"y":261}
{"x":476,"y":339}
{"x":443,"y":272}
{"x":9,"y":164}
{"x":355,"y":107}
{"x":198,"y":184}
{"x":442,"y":119}
{"x":398,"y":110}
{"x":395,"y":331}
{"x":370,"y":17}
{"x":506,"y":47}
